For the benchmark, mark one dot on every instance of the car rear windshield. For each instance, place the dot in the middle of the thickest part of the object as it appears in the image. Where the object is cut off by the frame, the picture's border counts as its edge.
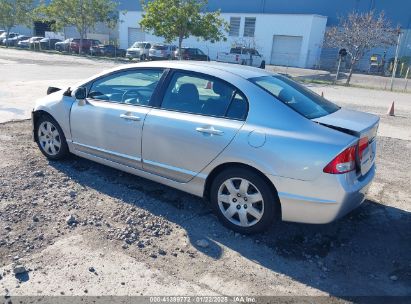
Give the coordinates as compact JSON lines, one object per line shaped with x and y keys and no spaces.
{"x":296,"y":96}
{"x":159,"y":47}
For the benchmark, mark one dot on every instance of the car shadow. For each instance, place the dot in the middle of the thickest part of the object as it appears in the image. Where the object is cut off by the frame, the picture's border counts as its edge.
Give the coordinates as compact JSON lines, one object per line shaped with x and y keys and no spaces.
{"x":366,"y":252}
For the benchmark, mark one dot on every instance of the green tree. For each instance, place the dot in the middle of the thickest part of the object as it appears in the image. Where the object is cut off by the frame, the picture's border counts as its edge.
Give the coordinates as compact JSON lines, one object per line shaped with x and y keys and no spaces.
{"x":358,"y":33}
{"x":14,"y":12}
{"x":81,"y":14}
{"x":179,"y":19}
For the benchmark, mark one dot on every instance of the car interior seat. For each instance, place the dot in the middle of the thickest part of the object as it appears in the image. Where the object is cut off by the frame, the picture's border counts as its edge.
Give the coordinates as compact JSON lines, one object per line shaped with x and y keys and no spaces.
{"x":218,"y":106}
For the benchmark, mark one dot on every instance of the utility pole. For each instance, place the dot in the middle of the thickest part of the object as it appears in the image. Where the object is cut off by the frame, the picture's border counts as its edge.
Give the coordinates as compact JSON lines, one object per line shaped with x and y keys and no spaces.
{"x":394,"y":69}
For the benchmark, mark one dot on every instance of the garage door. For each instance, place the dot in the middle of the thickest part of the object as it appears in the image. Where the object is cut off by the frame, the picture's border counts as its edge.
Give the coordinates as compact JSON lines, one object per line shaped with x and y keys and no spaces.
{"x":286,"y":50}
{"x":135,"y":34}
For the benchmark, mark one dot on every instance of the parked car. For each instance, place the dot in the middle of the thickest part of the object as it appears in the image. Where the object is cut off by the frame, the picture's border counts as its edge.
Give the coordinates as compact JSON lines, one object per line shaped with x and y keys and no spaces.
{"x":63,"y":46}
{"x":161,"y":51}
{"x":256,"y":145}
{"x":28,"y":43}
{"x":86,"y":45}
{"x":47,"y":43}
{"x":4,"y":36}
{"x":34,"y":42}
{"x":191,"y":54}
{"x":243,"y":56}
{"x":139,"y":49}
{"x":107,"y":50}
{"x":15,"y":40}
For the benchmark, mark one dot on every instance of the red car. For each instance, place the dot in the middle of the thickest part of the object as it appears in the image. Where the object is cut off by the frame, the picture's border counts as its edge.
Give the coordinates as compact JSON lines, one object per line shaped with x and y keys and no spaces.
{"x":86,"y":45}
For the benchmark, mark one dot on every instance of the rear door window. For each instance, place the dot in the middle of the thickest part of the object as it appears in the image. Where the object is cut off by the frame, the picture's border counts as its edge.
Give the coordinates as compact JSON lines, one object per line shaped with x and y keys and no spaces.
{"x":204,"y":95}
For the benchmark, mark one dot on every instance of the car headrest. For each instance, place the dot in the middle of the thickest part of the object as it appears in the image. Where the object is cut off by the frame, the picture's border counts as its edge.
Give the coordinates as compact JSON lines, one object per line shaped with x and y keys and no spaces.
{"x":285,"y":95}
{"x":221,"y":89}
{"x":188,"y":93}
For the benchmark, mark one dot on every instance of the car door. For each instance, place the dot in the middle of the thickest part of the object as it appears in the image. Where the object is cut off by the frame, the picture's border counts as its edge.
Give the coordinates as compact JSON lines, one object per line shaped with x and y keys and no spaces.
{"x":198,"y":117}
{"x":108,"y":123}
{"x":200,"y":55}
{"x":256,"y":58}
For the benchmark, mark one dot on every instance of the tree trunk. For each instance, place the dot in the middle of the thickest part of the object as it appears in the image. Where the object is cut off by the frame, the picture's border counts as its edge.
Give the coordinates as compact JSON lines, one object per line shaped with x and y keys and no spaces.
{"x":80,"y":47}
{"x":180,"y":42}
{"x":7,"y":37}
{"x":347,"y":83}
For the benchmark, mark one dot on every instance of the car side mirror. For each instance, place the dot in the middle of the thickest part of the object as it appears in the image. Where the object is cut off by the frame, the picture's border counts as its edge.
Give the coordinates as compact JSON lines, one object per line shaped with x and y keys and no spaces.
{"x":80,"y":93}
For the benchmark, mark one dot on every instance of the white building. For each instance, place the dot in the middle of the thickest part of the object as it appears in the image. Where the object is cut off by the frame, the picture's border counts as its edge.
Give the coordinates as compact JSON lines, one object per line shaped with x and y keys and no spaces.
{"x":283,"y":39}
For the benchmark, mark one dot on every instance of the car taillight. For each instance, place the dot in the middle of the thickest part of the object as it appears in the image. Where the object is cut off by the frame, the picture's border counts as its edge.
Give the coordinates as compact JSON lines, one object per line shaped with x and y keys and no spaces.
{"x":362,"y":146}
{"x":343,"y":162}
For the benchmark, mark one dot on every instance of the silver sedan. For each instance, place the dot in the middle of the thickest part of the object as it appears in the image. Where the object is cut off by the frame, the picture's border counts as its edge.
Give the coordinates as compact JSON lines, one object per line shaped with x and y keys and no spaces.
{"x":257,"y":146}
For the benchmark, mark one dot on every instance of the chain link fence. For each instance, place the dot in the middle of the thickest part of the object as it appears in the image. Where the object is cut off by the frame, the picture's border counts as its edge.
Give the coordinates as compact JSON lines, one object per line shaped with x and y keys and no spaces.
{"x":373,"y":70}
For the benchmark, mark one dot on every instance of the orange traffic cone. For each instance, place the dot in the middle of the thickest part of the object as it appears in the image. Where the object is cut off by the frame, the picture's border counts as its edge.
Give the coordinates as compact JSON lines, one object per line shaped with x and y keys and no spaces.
{"x":391,"y":110}
{"x":209,"y":85}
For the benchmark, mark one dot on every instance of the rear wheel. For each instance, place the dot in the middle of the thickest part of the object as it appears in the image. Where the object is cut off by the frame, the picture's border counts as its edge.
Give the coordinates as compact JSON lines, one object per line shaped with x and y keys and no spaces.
{"x":243,"y":200}
{"x":50,"y":138}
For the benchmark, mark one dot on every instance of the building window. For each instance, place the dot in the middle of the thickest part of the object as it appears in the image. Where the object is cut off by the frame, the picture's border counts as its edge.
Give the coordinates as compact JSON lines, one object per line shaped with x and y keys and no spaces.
{"x":249,"y":27}
{"x":235,"y":26}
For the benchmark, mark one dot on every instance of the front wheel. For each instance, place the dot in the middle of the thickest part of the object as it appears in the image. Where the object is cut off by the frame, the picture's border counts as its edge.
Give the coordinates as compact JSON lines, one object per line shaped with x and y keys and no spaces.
{"x":243,"y":200}
{"x":50,"y":138}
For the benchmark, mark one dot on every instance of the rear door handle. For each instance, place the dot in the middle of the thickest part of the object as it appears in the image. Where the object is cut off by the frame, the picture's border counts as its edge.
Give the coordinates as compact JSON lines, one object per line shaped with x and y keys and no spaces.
{"x":130,"y":117}
{"x":210,"y":130}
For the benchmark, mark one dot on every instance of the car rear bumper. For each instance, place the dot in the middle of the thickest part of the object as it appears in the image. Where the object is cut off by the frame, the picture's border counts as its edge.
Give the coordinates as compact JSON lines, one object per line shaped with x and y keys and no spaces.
{"x":323,"y":200}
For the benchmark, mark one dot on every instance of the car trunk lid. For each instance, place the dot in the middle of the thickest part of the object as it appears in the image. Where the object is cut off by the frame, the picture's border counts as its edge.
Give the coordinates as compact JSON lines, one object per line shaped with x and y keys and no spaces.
{"x":359,"y":124}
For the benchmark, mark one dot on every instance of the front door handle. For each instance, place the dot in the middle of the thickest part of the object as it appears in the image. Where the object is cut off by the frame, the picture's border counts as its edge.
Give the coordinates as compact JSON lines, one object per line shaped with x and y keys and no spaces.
{"x":209,"y":130}
{"x":130,"y":117}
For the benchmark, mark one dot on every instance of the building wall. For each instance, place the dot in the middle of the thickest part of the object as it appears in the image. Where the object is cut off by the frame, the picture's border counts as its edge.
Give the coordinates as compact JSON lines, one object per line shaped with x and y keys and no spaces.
{"x":399,"y":11}
{"x":310,"y":27}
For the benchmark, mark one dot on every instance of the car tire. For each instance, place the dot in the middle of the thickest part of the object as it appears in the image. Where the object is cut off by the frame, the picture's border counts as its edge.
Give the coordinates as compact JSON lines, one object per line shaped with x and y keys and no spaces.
{"x":246,"y":208}
{"x":50,"y":138}
{"x":262,"y":65}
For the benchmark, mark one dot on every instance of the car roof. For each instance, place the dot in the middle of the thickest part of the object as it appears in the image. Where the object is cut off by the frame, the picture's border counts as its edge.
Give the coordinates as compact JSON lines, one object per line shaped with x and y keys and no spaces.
{"x":208,"y":67}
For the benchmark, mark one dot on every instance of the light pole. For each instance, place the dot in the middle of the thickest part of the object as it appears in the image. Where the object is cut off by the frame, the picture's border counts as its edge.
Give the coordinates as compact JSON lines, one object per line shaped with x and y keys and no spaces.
{"x":394,"y":69}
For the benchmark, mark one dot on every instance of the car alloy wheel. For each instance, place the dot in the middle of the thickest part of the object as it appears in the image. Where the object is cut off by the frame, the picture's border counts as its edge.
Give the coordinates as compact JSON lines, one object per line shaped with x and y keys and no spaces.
{"x":240,"y":202}
{"x":49,"y":138}
{"x":244,"y":200}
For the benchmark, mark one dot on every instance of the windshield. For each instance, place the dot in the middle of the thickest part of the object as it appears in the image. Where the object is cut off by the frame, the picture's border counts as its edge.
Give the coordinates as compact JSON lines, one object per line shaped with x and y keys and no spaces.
{"x":296,"y":96}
